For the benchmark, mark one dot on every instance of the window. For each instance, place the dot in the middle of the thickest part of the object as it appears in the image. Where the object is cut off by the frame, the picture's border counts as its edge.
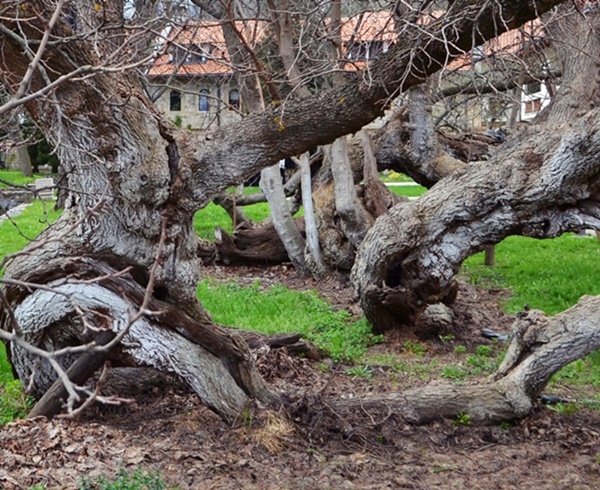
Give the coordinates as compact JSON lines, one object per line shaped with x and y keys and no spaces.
{"x":175,"y":101}
{"x":532,"y":88}
{"x":533,"y":106}
{"x":365,"y":51}
{"x":203,"y":104}
{"x":234,"y":99}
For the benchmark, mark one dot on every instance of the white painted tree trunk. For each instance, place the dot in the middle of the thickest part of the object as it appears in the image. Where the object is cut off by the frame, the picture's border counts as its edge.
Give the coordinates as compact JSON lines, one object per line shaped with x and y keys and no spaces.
{"x":272,"y":187}
{"x":313,"y":248}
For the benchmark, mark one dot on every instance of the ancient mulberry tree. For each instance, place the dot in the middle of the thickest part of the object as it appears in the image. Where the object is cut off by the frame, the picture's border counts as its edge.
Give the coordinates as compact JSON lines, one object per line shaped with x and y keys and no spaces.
{"x":122,"y":259}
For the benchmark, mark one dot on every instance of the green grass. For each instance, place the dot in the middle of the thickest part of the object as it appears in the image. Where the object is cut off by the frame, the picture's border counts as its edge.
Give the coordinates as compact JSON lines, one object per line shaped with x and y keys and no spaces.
{"x":581,"y":372}
{"x":550,"y":275}
{"x":125,"y":480}
{"x":208,"y":218}
{"x":281,"y":310}
{"x":408,"y":190}
{"x":211,"y":216}
{"x":13,"y":402}
{"x":5,"y":368}
{"x":13,"y":237}
{"x":15,"y":177}
{"x":29,"y":224}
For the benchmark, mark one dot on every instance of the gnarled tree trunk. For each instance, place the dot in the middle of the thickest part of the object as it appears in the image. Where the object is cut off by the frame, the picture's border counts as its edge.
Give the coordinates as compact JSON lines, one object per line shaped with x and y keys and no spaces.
{"x":542,"y":185}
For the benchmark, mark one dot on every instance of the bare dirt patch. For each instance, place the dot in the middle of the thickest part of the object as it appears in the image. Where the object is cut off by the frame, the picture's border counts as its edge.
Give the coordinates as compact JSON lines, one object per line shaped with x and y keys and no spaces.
{"x":310,"y":446}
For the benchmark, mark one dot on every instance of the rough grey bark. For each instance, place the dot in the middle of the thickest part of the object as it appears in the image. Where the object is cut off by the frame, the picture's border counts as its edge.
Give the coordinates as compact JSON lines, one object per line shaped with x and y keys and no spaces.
{"x":377,"y":198}
{"x":24,"y":161}
{"x":313,"y":248}
{"x":354,"y":220}
{"x":413,"y":147}
{"x":545,"y":186}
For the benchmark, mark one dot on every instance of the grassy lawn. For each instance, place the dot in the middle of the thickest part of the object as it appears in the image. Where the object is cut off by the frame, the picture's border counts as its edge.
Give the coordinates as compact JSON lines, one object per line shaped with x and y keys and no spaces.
{"x":15,"y":234}
{"x":408,"y":191}
{"x":15,"y":177}
{"x":268,"y":311}
{"x":208,"y":218}
{"x":550,"y":275}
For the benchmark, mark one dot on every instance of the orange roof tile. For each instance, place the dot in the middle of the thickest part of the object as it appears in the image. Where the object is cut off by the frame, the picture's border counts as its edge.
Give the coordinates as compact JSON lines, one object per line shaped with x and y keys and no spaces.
{"x":369,"y":26}
{"x":363,"y":27}
{"x":194,"y":39}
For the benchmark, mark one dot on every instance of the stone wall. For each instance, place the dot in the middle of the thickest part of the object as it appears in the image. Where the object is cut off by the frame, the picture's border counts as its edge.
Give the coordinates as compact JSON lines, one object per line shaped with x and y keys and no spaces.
{"x":191,"y":115}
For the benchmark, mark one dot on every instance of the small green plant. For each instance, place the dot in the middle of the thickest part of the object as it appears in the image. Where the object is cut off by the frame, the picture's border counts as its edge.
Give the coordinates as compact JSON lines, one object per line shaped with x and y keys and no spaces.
{"x":480,"y":364}
{"x":447,"y":338}
{"x":393,"y":176}
{"x":248,"y":418}
{"x":360,"y":371}
{"x":456,"y":373}
{"x":415,"y":348}
{"x":484,"y":350}
{"x":178,"y":121}
{"x":323,"y":367}
{"x":564,"y":408}
{"x":125,"y":480}
{"x":13,"y":402}
{"x":505,"y":425}
{"x":462,"y":419}
{"x":460,"y":349}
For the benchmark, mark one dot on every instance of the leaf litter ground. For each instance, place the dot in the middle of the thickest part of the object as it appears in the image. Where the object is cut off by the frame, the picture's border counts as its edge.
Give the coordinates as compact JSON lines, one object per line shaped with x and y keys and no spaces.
{"x":311,"y":447}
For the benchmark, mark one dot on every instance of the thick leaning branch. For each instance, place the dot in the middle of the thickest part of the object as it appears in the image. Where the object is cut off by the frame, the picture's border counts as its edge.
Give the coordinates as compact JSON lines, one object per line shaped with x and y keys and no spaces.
{"x":540,"y":347}
{"x":164,"y":338}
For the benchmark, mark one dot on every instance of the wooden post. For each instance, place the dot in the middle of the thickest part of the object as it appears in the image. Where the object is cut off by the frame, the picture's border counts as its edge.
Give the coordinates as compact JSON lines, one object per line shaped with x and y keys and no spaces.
{"x":490,"y":255}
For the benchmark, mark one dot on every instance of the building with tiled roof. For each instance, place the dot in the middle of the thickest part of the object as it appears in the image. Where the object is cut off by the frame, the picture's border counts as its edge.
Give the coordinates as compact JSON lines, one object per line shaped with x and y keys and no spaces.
{"x":193,"y":79}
